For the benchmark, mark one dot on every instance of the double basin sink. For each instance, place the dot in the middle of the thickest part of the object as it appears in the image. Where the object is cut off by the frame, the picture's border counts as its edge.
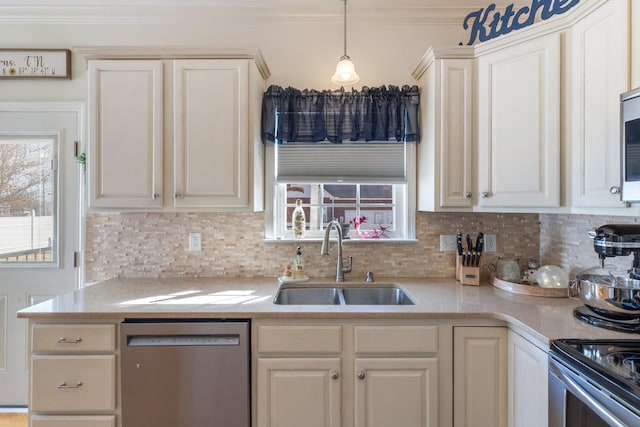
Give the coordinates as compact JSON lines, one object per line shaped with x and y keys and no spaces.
{"x":332,"y":294}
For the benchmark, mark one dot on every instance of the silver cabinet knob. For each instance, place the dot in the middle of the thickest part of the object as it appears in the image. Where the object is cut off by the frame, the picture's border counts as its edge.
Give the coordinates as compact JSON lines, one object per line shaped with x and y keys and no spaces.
{"x":361,"y":375}
{"x":484,"y":194}
{"x":155,"y":196}
{"x":468,"y":195}
{"x":335,"y":375}
{"x":177,"y":195}
{"x":614,"y":190}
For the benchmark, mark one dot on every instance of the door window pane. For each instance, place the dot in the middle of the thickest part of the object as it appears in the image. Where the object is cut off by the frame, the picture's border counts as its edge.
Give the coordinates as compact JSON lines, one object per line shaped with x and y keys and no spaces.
{"x":28,"y":189}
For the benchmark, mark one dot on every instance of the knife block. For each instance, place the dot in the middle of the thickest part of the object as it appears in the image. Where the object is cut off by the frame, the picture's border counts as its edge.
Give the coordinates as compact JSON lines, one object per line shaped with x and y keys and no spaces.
{"x":467,"y":275}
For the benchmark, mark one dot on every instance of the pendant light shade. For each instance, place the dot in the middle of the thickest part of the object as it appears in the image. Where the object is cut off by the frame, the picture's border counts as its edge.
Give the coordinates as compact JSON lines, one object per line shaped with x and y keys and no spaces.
{"x":345,"y":70}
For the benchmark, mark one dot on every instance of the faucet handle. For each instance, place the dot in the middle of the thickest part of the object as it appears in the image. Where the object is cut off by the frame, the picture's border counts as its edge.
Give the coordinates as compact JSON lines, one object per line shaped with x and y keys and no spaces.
{"x":369,"y":276}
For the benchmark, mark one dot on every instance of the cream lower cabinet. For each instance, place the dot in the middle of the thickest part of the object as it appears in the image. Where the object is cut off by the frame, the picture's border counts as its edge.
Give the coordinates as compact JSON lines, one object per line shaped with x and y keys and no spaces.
{"x":396,"y":392}
{"x":295,"y":392}
{"x":349,"y":374}
{"x":73,"y":375}
{"x":176,"y":134}
{"x":528,"y":383}
{"x":480,"y":376}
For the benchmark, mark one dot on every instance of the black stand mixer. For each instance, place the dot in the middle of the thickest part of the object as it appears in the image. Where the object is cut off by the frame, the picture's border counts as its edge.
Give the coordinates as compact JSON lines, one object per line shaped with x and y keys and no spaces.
{"x":618,"y":240}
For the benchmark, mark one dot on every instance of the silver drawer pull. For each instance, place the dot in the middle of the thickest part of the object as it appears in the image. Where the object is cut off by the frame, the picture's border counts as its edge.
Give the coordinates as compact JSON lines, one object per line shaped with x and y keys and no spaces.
{"x":63,"y":384}
{"x":63,"y":340}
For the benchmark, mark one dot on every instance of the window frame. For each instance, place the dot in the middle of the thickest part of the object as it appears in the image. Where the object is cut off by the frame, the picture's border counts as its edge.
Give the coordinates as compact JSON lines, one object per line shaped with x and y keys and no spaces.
{"x":54,"y":139}
{"x":404,"y":194}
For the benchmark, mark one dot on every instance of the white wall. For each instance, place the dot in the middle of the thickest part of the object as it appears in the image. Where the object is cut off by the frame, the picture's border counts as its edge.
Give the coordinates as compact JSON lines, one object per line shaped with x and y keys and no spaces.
{"x":301,"y":51}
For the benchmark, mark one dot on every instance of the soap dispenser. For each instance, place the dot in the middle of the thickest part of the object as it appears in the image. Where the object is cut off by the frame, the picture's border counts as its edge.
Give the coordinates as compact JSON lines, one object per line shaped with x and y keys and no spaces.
{"x":298,"y":265}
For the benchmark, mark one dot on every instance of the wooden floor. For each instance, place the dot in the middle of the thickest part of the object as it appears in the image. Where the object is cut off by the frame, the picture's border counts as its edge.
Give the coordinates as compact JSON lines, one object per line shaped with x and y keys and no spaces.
{"x":13,"y":420}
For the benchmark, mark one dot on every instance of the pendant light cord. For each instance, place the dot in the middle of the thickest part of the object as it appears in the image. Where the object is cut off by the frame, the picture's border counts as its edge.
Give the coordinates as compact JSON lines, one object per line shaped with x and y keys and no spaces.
{"x":345,"y":56}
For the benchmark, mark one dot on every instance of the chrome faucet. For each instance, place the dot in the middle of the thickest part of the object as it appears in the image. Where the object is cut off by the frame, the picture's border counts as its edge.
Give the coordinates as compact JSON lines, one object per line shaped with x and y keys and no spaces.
{"x":325,"y":250}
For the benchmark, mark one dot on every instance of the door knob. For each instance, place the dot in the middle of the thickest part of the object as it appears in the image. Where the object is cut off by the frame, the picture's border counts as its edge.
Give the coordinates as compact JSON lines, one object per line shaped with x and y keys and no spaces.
{"x":484,"y":194}
{"x":361,"y":375}
{"x":335,"y":375}
{"x":614,"y":190}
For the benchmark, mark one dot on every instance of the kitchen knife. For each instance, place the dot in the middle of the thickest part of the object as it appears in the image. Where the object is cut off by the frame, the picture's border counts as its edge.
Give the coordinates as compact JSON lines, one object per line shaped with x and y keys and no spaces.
{"x":479,"y":247}
{"x":470,"y":257}
{"x":459,"y":243}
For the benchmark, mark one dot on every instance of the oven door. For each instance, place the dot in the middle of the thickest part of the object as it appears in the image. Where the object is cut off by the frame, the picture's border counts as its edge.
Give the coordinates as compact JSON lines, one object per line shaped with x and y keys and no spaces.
{"x":576,"y":402}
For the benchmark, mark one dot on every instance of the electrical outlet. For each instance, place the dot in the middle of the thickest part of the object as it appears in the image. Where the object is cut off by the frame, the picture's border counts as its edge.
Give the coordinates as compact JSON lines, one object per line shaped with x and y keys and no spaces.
{"x":490,"y":243}
{"x":195,"y":242}
{"x":448,"y":243}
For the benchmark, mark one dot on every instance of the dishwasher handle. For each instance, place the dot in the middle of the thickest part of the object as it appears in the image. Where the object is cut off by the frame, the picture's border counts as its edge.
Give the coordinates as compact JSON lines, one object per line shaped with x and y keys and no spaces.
{"x":183,"y":340}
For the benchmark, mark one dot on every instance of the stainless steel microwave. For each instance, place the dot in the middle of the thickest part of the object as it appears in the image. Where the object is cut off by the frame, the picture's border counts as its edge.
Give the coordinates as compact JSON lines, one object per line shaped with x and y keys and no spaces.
{"x":630,"y":149}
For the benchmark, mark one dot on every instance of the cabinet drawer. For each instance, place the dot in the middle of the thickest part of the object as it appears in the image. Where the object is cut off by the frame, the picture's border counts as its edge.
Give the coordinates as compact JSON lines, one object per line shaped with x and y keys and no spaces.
{"x":65,"y":338}
{"x":73,"y":383}
{"x":396,"y":339}
{"x":73,"y":421}
{"x":300,"y":339}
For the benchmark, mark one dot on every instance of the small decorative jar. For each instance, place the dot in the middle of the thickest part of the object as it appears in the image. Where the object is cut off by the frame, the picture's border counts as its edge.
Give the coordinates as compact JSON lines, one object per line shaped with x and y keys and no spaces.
{"x":298,"y":220}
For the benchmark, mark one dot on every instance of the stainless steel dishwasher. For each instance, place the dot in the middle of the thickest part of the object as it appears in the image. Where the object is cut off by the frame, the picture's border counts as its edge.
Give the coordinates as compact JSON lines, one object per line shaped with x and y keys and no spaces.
{"x":185,"y":373}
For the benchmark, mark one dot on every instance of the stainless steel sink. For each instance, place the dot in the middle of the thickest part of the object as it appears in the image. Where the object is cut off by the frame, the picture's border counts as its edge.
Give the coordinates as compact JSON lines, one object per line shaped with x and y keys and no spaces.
{"x":322,"y":294}
{"x":309,"y":296}
{"x":376,"y":296}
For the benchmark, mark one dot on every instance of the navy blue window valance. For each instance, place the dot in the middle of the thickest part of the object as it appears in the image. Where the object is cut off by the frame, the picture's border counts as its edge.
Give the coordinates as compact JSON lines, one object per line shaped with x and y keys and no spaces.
{"x":372,"y":114}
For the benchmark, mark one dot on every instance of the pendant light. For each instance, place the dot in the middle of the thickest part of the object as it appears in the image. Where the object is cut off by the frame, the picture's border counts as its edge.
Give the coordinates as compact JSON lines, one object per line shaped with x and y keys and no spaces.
{"x":345,"y":70}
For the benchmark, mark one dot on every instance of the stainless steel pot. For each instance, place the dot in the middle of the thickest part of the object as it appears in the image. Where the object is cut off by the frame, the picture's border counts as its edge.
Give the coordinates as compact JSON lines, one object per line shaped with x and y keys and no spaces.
{"x":607,"y":293}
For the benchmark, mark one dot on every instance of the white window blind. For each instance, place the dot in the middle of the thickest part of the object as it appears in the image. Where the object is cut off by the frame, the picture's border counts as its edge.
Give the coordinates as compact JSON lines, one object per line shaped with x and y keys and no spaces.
{"x":347,"y":162}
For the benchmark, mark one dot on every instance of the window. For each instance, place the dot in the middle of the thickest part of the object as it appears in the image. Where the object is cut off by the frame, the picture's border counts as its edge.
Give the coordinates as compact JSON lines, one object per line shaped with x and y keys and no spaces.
{"x":386,"y":203}
{"x":28,"y":186}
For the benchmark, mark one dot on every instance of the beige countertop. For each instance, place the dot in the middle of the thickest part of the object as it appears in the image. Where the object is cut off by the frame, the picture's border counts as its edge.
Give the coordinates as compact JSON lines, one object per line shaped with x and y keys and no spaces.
{"x":544,"y":319}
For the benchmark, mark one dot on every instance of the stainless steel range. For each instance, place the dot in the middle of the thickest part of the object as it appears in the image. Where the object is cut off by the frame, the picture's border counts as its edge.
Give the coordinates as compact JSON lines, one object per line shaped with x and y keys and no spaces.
{"x":594,"y":383}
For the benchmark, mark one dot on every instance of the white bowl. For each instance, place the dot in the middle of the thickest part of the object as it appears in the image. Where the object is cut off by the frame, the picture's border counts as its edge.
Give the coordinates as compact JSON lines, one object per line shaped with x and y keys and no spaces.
{"x":552,"y":276}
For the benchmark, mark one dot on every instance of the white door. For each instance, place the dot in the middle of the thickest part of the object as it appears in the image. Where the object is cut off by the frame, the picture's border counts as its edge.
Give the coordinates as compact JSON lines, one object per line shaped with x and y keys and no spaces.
{"x":39,"y":223}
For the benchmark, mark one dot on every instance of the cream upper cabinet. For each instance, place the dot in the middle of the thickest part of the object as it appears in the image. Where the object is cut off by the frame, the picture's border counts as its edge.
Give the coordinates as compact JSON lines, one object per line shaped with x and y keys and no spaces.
{"x":202,"y":116}
{"x":125,"y":151}
{"x":600,"y":72}
{"x":528,"y":383}
{"x":518,"y":124}
{"x":445,"y":169}
{"x":211,"y":133}
{"x":479,"y":376}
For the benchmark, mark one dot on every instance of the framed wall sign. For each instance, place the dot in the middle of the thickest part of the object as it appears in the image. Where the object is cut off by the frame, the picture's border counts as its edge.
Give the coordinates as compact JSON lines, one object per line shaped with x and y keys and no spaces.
{"x":35,"y":64}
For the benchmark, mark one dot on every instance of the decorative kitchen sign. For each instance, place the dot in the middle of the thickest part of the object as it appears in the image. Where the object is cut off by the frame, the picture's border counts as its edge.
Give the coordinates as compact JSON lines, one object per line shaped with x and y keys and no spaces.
{"x":35,"y":63}
{"x":485,"y":29}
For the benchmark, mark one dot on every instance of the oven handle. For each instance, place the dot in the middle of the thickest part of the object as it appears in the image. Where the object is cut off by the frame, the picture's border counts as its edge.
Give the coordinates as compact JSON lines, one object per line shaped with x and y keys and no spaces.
{"x":585,"y":397}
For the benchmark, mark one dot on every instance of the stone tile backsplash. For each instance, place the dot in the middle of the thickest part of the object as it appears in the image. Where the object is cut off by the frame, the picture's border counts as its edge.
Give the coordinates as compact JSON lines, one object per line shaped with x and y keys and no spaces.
{"x":156,"y":245}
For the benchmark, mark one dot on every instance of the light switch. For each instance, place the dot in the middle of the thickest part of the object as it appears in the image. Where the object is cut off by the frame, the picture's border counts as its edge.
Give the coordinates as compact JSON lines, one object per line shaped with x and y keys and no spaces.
{"x":195,"y":242}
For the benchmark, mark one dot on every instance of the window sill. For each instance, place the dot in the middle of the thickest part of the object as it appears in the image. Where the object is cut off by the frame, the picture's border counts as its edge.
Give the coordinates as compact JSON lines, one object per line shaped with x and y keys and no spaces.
{"x":344,"y":241}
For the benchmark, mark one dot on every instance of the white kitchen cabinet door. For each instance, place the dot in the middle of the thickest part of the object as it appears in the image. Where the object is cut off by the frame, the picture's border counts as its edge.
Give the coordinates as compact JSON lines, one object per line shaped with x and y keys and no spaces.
{"x":124,"y":153}
{"x":600,"y":73}
{"x":518,"y":123}
{"x":528,"y":384}
{"x":211,"y":134}
{"x":479,"y":376}
{"x":296,"y":392}
{"x":396,"y":392}
{"x":445,"y":167}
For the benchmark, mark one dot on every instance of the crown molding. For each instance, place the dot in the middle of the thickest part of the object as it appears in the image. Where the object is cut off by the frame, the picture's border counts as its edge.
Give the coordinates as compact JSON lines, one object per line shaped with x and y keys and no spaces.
{"x":173,"y":52}
{"x":195,"y":12}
